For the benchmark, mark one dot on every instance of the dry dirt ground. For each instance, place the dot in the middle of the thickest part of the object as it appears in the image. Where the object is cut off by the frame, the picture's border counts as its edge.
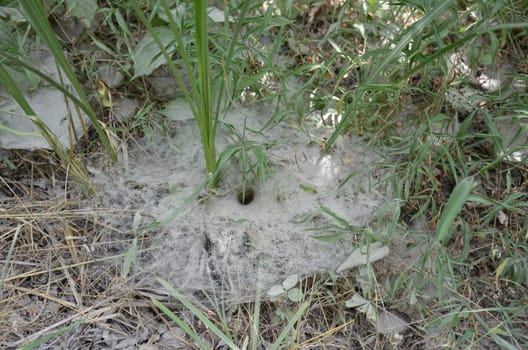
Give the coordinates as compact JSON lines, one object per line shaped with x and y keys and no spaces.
{"x":63,"y":251}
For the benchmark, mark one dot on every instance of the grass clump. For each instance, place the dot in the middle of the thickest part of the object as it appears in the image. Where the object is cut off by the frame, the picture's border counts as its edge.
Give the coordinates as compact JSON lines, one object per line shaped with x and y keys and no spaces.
{"x":35,"y":15}
{"x":199,"y":96}
{"x":212,"y":77}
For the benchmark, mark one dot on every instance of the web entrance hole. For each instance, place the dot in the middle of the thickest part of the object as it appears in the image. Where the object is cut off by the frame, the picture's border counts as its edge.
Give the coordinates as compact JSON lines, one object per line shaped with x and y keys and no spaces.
{"x":246,"y":196}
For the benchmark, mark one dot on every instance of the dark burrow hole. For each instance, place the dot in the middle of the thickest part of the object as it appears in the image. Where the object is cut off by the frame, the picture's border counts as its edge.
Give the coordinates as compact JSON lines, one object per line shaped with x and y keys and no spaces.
{"x":245,"y":196}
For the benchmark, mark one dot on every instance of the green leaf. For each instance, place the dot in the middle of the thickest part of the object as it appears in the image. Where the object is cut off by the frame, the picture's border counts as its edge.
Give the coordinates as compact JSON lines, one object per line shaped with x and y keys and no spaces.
{"x":84,"y":10}
{"x":330,"y":238}
{"x":130,"y":258}
{"x":356,"y":301}
{"x":277,"y":21}
{"x":136,"y":222}
{"x":178,"y":13}
{"x":303,"y":217}
{"x":206,"y":121}
{"x":152,"y":226}
{"x":460,"y":195}
{"x":307,"y":189}
{"x":147,"y":55}
{"x":343,"y":222}
{"x":122,"y":23}
{"x":294,"y":295}
{"x":177,"y":110}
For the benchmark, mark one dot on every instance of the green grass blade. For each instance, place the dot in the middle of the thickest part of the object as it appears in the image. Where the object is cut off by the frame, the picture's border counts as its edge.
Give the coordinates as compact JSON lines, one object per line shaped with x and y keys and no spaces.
{"x":35,"y":14}
{"x":231,"y":50}
{"x":200,"y":101}
{"x":199,"y":96}
{"x":11,"y":87}
{"x":12,"y":60}
{"x":344,"y":223}
{"x":389,"y":58}
{"x":278,"y":342}
{"x":204,"y":85}
{"x":76,"y":169}
{"x":492,"y":333}
{"x":18,"y":133}
{"x":48,"y":337}
{"x":330,"y":238}
{"x":223,"y":336}
{"x":255,"y":323}
{"x":130,"y":258}
{"x":186,"y":59}
{"x":415,"y":31}
{"x":460,"y":195}
{"x":181,"y":324}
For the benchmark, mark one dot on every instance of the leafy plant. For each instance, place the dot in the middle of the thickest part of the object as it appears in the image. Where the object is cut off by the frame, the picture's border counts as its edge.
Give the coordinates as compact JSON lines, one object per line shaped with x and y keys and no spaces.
{"x":199,"y":95}
{"x":34,"y":13}
{"x":227,"y":338}
{"x":77,"y":170}
{"x":456,"y":201}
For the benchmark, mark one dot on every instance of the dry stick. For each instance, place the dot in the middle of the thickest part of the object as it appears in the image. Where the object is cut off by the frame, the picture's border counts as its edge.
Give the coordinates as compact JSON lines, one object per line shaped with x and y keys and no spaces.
{"x":71,"y":282}
{"x":8,"y":259}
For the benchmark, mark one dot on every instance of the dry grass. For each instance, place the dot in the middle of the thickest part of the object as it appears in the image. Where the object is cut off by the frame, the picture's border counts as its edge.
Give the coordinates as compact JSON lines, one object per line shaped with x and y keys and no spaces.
{"x":57,"y":273}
